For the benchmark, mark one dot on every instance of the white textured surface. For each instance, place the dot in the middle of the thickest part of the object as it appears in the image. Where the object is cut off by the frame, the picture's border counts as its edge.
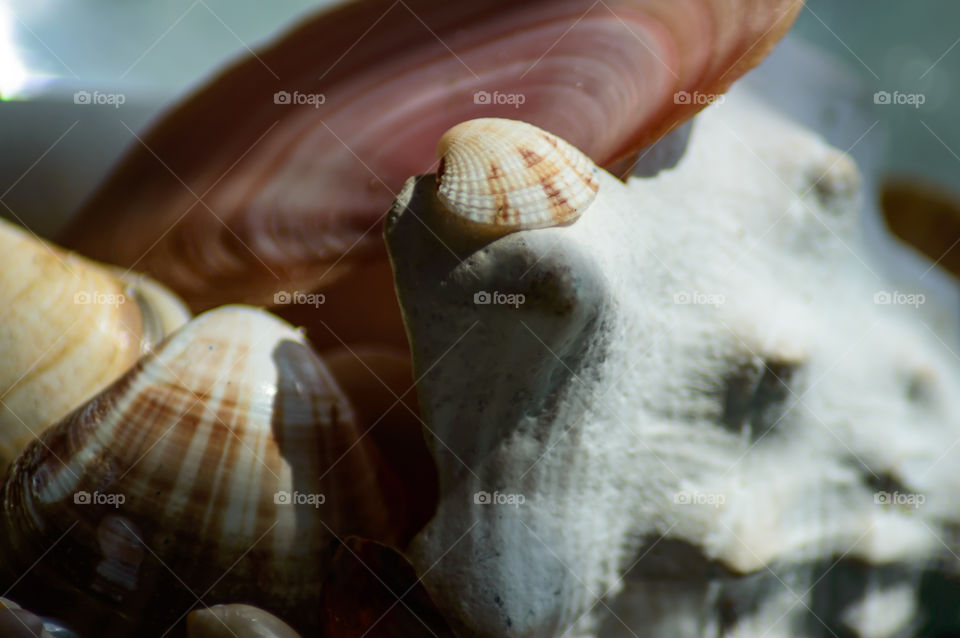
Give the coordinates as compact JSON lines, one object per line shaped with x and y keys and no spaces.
{"x":779,"y":399}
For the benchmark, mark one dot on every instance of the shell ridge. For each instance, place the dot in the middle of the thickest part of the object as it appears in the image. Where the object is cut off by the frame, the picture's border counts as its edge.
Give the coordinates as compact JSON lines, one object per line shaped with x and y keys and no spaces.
{"x":510,"y":175}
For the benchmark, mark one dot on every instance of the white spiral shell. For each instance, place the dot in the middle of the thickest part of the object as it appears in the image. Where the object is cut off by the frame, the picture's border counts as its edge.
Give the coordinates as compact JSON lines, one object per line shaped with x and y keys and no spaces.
{"x":512,"y":175}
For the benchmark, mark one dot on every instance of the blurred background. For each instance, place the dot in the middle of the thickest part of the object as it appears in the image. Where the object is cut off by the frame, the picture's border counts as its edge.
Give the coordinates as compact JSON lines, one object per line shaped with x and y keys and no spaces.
{"x":153,"y":52}
{"x":900,"y":47}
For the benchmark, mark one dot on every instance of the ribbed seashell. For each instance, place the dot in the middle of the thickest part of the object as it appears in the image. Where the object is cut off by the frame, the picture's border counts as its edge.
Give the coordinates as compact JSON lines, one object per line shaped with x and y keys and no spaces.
{"x":68,"y":328}
{"x":219,"y":467}
{"x":337,"y":113}
{"x":236,"y":621}
{"x":511,"y":175}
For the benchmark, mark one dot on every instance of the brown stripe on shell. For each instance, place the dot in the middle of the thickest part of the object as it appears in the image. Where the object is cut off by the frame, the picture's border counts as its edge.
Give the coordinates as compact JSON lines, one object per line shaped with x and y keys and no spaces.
{"x":225,"y":424}
{"x":177,"y":411}
{"x":550,"y":139}
{"x":590,"y":180}
{"x":223,"y":376}
{"x":505,"y":214}
{"x":555,"y":196}
{"x":496,"y":179}
{"x":219,"y":451}
{"x":530,"y":158}
{"x":519,"y":160}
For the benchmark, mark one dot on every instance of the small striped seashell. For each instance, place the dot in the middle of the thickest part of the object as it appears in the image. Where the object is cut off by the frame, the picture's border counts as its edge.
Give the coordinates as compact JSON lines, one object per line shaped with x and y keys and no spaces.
{"x":236,"y":621}
{"x":299,"y":192}
{"x":510,"y":175}
{"x":218,"y":469}
{"x":68,"y":328}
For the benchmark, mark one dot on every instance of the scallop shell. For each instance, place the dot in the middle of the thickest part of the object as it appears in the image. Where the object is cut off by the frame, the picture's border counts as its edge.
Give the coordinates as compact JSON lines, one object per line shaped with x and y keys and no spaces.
{"x":220,"y":467}
{"x":301,"y":189}
{"x":68,"y":328}
{"x":236,"y":621}
{"x":512,"y":175}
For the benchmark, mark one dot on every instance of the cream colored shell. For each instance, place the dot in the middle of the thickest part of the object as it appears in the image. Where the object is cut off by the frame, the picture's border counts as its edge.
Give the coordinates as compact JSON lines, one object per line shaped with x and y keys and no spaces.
{"x":512,"y":175}
{"x":68,"y":328}
{"x":236,"y":459}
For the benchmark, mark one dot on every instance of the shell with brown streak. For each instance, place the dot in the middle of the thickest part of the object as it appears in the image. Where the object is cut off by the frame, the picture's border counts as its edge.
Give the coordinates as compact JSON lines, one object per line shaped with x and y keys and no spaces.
{"x":299,"y":192}
{"x":216,"y":470}
{"x":510,"y":175}
{"x":68,"y":328}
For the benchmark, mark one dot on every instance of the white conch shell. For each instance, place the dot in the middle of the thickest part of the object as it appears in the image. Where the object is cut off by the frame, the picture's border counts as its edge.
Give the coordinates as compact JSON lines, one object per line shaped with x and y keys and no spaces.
{"x":236,"y":621}
{"x":226,"y":460}
{"x":705,"y":380}
{"x":510,"y":175}
{"x":68,"y":328}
